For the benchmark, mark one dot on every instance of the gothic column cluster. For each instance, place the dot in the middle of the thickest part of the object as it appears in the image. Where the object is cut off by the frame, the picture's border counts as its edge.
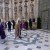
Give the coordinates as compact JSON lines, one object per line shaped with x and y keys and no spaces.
{"x":1,"y":9}
{"x":12,"y":9}
{"x":25,"y":8}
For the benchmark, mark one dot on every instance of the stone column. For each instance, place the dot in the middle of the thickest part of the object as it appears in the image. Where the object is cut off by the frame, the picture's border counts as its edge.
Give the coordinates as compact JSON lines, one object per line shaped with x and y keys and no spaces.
{"x":15,"y":10}
{"x":6,"y":4}
{"x":3,"y":11}
{"x":11,"y":9}
{"x":26,"y":13}
{"x":32,"y":9}
{"x":20,"y":10}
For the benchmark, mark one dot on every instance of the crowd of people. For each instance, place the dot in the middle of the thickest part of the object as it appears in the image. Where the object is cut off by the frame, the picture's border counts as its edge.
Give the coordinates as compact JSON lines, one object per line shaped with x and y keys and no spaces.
{"x":3,"y":26}
{"x":17,"y":25}
{"x":8,"y":25}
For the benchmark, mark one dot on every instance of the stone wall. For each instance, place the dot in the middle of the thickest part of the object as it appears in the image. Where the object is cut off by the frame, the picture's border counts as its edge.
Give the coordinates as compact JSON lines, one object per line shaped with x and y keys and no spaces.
{"x":13,"y":9}
{"x":44,"y":13}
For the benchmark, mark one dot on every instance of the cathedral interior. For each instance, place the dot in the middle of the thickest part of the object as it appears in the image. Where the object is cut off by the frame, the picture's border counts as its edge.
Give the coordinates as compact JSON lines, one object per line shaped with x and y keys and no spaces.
{"x":32,"y":39}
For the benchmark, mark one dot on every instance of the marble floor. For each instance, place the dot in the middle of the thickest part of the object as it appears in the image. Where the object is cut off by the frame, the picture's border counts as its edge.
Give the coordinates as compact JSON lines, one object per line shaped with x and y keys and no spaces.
{"x":31,"y":40}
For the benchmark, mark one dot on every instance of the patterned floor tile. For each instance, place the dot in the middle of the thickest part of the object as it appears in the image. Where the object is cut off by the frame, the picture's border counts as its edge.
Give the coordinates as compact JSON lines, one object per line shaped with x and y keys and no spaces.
{"x":40,"y":41}
{"x":16,"y":46}
{"x":46,"y":45}
{"x":29,"y":49}
{"x":46,"y":40}
{"x":34,"y":37}
{"x":39,"y":47}
{"x":6,"y":48}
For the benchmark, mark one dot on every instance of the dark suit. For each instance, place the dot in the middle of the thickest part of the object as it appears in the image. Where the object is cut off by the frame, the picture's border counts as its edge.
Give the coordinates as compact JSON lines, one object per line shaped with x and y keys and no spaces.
{"x":13,"y":24}
{"x":9,"y":26}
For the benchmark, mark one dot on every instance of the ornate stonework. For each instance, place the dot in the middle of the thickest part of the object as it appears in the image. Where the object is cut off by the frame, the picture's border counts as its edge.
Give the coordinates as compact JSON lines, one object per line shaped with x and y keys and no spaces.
{"x":12,"y":9}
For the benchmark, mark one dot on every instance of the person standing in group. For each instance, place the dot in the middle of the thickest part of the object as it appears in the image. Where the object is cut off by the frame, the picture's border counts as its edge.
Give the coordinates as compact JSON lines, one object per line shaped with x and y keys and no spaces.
{"x":30,"y":23}
{"x":9,"y":26}
{"x":5,"y":24}
{"x":26,"y":25}
{"x":2,"y":32}
{"x":18,"y":29}
{"x":23,"y":24}
{"x":13,"y":24}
